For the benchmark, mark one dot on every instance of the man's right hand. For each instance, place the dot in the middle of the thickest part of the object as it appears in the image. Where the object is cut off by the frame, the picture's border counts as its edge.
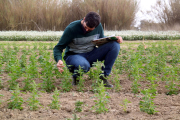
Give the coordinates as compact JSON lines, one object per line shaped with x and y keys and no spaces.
{"x":60,"y":66}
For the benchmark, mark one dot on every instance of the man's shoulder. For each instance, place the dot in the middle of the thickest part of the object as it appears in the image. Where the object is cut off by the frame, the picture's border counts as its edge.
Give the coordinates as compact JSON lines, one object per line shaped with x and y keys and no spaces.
{"x":75,"y":23}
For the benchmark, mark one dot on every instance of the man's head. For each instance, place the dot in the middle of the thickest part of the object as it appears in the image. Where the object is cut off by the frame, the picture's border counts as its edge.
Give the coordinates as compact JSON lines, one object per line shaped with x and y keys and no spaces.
{"x":91,"y":21}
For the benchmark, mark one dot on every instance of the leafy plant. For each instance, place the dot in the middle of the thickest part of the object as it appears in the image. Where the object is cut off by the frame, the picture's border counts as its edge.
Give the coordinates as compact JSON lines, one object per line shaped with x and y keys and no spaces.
{"x":66,"y":80}
{"x":1,"y":85}
{"x":102,"y":101}
{"x":55,"y":102}
{"x":33,"y":101}
{"x":80,"y":78}
{"x":78,"y":105}
{"x":0,"y":99}
{"x":16,"y":100}
{"x":147,"y":105}
{"x":74,"y":117}
{"x":116,"y":81}
{"x":125,"y":102}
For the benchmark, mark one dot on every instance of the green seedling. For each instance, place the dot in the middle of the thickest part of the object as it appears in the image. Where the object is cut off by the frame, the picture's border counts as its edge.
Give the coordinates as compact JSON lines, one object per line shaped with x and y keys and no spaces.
{"x":81,"y":80}
{"x":1,"y":84}
{"x":74,"y":117}
{"x":33,"y":101}
{"x":0,"y":99}
{"x":125,"y":102}
{"x":147,"y":105}
{"x":55,"y":102}
{"x":78,"y":107}
{"x":66,"y":80}
{"x":16,"y":101}
{"x":101,"y":103}
{"x":116,"y":81}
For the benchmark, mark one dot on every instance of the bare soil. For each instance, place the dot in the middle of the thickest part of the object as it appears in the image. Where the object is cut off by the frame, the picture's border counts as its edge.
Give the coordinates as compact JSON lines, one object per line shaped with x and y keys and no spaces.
{"x":168,"y":107}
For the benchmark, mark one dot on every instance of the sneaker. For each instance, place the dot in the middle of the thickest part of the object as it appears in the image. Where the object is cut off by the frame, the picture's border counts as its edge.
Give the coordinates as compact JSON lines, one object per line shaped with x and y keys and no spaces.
{"x":106,"y":83}
{"x":75,"y":81}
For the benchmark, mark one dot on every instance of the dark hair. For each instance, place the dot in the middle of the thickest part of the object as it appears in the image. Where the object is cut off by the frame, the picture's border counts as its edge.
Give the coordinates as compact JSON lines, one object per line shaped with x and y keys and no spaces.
{"x":92,"y":19}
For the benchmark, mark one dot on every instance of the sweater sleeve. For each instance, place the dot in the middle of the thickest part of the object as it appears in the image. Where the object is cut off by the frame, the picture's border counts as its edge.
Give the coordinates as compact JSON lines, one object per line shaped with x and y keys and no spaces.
{"x":101,"y":31}
{"x":65,"y":39}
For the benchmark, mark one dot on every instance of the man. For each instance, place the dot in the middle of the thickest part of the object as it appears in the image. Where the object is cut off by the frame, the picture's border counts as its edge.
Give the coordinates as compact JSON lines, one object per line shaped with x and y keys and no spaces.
{"x":80,"y":51}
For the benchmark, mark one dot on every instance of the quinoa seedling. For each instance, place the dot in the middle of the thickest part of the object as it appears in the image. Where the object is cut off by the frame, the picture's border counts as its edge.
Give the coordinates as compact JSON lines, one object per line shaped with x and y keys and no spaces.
{"x":16,"y":101}
{"x":125,"y":102}
{"x":55,"y":102}
{"x":33,"y":101}
{"x":78,"y":105}
{"x":81,"y":80}
{"x":0,"y":99}
{"x":66,"y":80}
{"x":1,"y":85}
{"x":116,"y":81}
{"x":147,"y":105}
{"x":102,"y":101}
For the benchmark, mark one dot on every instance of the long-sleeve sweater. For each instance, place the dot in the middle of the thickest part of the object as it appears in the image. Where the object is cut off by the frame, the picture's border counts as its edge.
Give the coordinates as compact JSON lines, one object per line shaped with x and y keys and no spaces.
{"x":76,"y":41}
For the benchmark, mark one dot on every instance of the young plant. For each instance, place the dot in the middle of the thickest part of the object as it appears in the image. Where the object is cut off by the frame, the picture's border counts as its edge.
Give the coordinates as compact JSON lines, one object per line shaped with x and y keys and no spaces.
{"x":27,"y":83}
{"x":16,"y":101}
{"x":135,"y":86}
{"x":33,"y":101}
{"x":15,"y":73}
{"x":81,"y":80}
{"x":147,"y":105}
{"x":74,"y":117}
{"x":66,"y":80}
{"x":0,"y":99}
{"x":95,"y":74}
{"x":55,"y":102}
{"x":116,"y":81}
{"x":125,"y":102}
{"x":102,"y":101}
{"x":1,"y":85}
{"x":78,"y":105}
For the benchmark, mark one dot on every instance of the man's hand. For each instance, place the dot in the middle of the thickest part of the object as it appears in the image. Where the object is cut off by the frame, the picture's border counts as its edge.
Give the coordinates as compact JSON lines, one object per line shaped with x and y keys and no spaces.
{"x":120,"y":40}
{"x":60,"y":66}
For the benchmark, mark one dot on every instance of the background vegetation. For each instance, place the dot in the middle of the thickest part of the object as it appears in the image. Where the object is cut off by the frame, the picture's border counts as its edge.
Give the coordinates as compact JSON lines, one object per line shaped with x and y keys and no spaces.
{"x":167,"y":15}
{"x":55,"y":15}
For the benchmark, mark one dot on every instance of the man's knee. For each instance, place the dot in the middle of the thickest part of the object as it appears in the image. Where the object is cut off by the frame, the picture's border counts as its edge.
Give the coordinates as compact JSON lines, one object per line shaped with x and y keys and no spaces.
{"x":83,"y":65}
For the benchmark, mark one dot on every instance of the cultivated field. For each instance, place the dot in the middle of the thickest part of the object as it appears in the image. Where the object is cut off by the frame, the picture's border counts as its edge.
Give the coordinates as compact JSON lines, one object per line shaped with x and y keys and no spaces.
{"x":146,"y":79}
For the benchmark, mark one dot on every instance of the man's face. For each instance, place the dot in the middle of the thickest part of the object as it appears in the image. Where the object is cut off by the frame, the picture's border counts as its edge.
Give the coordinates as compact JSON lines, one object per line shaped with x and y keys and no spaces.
{"x":88,"y":29}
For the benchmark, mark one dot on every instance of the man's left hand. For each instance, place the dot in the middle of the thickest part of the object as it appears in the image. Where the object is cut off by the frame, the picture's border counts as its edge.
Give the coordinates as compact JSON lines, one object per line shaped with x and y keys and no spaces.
{"x":120,"y":40}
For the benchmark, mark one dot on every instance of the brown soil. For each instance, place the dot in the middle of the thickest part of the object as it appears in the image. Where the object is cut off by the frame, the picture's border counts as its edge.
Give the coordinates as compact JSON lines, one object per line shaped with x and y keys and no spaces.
{"x":168,"y":107}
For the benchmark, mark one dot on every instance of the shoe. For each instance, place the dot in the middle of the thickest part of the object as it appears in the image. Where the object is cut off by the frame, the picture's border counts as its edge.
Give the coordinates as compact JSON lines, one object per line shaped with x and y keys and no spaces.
{"x":75,"y":81}
{"x":106,"y":83}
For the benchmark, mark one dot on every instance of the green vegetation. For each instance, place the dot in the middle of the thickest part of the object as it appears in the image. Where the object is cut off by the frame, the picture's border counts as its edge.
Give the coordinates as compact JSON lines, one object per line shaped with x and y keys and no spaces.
{"x":16,"y":101}
{"x":124,"y":105}
{"x":102,"y":102}
{"x":33,"y":101}
{"x":147,"y":70}
{"x":55,"y":102}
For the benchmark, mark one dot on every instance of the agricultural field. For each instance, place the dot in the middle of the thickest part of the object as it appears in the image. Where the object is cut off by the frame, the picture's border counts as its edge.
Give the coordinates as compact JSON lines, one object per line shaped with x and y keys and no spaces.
{"x":146,"y":79}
